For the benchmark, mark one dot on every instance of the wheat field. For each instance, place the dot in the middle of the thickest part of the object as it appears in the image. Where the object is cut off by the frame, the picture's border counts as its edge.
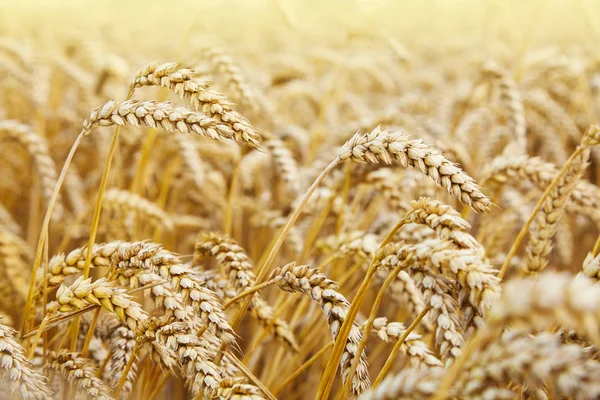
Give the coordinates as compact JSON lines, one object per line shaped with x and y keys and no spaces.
{"x":279,"y":199}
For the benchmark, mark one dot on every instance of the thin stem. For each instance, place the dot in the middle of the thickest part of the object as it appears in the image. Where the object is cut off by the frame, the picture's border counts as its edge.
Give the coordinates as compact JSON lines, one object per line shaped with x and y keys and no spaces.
{"x":264,"y":268}
{"x":525,"y":228}
{"x":344,"y":195}
{"x":452,"y":373}
{"x":126,"y":371}
{"x":596,"y":247}
{"x":38,"y":336}
{"x":250,"y":291}
{"x":340,"y":344}
{"x":302,"y":368}
{"x":231,"y":198}
{"x":161,"y":384}
{"x":137,"y":184}
{"x":98,"y":206}
{"x":369,"y":325}
{"x":90,"y":333}
{"x":392,"y":357}
{"x":35,"y":205}
{"x":45,"y":299}
{"x":102,"y":366}
{"x":96,"y":217}
{"x":74,"y":333}
{"x":44,"y":230}
{"x":251,"y":377}
{"x":314,"y":230}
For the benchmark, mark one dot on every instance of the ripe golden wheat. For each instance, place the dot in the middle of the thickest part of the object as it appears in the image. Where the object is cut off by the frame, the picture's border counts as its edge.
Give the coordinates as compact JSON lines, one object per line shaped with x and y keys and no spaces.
{"x":391,"y":204}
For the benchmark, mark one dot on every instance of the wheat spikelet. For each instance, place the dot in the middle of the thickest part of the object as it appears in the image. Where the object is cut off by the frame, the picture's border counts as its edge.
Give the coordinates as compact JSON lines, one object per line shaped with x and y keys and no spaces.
{"x":202,"y":375}
{"x":585,"y":197}
{"x":122,"y":340}
{"x":510,"y":97}
{"x":165,"y":297}
{"x":144,"y":262}
{"x":224,"y":65}
{"x":314,"y":284}
{"x":591,"y":266}
{"x":165,"y":75}
{"x":240,"y":270}
{"x":382,"y":145}
{"x":413,"y":346}
{"x":411,"y":383}
{"x":7,"y":221}
{"x":143,"y":209}
{"x":212,"y":103}
{"x":85,"y":292}
{"x":444,"y":220}
{"x":238,"y":389}
{"x":546,"y":223}
{"x":404,"y":290}
{"x":546,"y":300}
{"x":478,"y":282}
{"x":78,"y":371}
{"x":16,"y":369}
{"x":163,"y":116}
{"x":535,"y":362}
{"x":182,"y":279}
{"x":437,"y":293}
{"x":284,"y":165}
{"x":37,"y":148}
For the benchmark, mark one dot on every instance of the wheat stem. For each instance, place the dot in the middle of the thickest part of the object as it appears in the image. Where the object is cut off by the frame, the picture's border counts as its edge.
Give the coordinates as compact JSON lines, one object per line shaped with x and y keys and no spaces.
{"x":338,"y":349}
{"x":264,"y":268}
{"x":392,"y":357}
{"x":302,"y":368}
{"x":372,"y":315}
{"x":44,"y":230}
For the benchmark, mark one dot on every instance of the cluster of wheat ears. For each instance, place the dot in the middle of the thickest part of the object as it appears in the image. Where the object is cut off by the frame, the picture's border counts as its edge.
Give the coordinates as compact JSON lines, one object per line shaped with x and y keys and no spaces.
{"x":362,"y":220}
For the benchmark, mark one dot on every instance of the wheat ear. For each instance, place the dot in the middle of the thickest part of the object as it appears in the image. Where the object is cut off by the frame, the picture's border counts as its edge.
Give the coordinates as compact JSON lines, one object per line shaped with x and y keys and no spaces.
{"x":16,"y":368}
{"x":324,"y":292}
{"x":381,"y":145}
{"x":79,"y":371}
